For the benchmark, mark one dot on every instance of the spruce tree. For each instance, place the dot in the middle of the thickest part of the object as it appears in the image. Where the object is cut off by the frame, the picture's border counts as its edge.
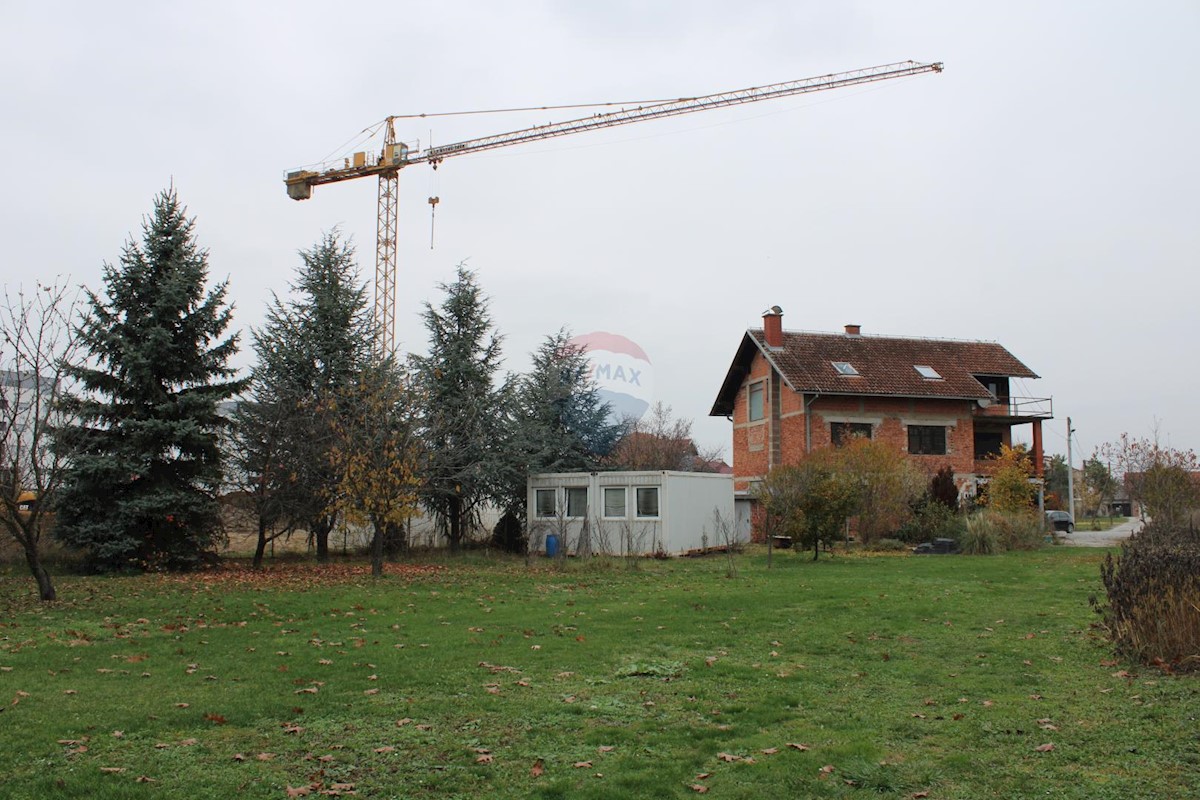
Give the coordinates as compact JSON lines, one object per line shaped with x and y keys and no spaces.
{"x":461,"y":420}
{"x":141,"y":491}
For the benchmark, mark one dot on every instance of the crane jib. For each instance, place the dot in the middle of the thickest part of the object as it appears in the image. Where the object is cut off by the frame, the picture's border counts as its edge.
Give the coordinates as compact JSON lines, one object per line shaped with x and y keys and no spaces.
{"x":675,"y":108}
{"x":394,"y":155}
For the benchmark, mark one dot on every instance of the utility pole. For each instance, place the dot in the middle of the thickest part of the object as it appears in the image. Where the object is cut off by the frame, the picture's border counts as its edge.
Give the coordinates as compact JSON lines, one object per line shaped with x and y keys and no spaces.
{"x":1070,"y":473}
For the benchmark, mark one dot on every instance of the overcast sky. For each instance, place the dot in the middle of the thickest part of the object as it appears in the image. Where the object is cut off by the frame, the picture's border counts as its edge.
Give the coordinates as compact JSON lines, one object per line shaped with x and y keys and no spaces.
{"x":1042,"y":192}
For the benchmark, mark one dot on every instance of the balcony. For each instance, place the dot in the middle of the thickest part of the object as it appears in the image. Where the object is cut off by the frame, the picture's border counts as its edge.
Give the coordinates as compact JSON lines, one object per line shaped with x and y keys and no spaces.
{"x":1016,"y":410}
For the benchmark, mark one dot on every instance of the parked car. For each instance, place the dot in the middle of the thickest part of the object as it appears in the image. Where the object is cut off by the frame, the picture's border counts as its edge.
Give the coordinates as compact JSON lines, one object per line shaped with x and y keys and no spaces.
{"x":1060,"y":521}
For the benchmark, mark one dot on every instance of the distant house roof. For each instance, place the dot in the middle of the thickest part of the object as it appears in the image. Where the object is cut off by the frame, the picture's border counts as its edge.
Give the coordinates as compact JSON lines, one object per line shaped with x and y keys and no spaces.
{"x":878,"y":365}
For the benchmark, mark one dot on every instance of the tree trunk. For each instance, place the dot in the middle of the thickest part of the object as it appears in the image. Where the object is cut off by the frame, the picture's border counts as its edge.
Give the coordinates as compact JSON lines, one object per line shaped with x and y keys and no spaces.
{"x":377,"y":547}
{"x":321,"y":534}
{"x":261,"y":548}
{"x":455,"y":525}
{"x":816,"y":548}
{"x":45,"y":587}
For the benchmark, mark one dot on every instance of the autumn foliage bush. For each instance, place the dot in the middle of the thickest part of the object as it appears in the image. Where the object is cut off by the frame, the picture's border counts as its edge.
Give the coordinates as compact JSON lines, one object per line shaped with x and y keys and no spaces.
{"x":1153,"y":592}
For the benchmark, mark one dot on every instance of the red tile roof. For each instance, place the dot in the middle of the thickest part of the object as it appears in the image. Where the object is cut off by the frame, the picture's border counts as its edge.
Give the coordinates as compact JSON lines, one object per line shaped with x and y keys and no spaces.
{"x":886,"y":365}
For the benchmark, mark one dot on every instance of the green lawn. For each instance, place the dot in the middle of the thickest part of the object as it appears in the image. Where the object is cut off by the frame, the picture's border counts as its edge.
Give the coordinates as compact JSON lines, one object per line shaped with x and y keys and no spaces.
{"x":849,"y":677}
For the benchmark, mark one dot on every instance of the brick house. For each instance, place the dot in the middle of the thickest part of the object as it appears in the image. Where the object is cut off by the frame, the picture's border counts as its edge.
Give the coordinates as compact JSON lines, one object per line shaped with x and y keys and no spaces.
{"x":943,"y":402}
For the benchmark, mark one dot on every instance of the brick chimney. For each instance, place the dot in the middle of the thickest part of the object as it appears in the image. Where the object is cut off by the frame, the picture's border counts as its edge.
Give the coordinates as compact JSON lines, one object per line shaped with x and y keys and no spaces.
{"x":854,"y":330}
{"x":773,"y":326}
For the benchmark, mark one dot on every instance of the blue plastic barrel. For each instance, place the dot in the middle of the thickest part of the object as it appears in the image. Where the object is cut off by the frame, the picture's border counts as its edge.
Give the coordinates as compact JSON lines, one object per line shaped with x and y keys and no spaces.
{"x":552,"y":545}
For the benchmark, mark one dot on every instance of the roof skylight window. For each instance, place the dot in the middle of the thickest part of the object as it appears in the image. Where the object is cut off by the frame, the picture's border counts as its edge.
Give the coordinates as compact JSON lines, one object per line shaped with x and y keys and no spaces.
{"x":844,"y":368}
{"x":926,"y":372}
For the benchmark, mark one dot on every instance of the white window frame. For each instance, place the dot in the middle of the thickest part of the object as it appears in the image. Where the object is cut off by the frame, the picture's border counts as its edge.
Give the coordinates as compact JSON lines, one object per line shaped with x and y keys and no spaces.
{"x":761,"y":388}
{"x":638,"y":502}
{"x":573,"y":491}
{"x":537,"y":503}
{"x":624,"y":502}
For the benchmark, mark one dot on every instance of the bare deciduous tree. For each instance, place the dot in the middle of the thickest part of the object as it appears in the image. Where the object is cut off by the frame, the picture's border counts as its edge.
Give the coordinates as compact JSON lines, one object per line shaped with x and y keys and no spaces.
{"x":39,"y":342}
{"x":660,"y":441}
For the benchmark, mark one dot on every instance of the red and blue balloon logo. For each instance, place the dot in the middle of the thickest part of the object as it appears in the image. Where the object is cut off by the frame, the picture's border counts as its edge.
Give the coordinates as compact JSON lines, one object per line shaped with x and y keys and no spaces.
{"x":622,"y":371}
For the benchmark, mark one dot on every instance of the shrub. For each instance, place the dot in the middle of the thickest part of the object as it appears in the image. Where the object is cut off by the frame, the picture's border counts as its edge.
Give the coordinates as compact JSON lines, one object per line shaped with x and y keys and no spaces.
{"x":886,"y":546}
{"x":931,"y":519}
{"x":979,"y":538}
{"x":990,"y":531}
{"x":1153,"y":591}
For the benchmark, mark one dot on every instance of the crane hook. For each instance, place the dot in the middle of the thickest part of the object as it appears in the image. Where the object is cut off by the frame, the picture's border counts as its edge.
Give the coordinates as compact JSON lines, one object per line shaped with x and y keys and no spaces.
{"x":433,"y":201}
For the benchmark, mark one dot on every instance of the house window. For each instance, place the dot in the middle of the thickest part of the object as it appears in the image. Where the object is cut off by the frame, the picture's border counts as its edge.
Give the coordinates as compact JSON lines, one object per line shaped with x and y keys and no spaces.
{"x":614,"y":502}
{"x":647,"y":501}
{"x":987,"y":444}
{"x":577,"y":501}
{"x":756,"y":401}
{"x":927,"y":440}
{"x":928,"y":373}
{"x":841,"y":433}
{"x":844,"y":368}
{"x":544,"y":503}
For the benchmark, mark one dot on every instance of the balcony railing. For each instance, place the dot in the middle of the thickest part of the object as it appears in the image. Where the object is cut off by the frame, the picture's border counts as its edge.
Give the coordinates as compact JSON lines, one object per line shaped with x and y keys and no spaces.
{"x":1020,"y":408}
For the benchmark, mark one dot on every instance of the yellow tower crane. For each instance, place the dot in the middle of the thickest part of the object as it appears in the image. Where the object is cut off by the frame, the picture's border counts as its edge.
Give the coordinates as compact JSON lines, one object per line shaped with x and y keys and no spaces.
{"x":394,"y":156}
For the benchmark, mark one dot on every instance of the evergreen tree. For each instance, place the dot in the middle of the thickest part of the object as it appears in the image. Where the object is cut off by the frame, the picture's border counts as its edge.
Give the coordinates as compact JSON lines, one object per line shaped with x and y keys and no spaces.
{"x":556,"y":422}
{"x":311,"y":349}
{"x":142,"y":488}
{"x":461,"y":423}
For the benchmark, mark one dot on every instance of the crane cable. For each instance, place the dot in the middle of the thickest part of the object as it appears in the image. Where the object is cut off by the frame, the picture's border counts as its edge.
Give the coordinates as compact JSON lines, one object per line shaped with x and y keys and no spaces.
{"x":539,"y":108}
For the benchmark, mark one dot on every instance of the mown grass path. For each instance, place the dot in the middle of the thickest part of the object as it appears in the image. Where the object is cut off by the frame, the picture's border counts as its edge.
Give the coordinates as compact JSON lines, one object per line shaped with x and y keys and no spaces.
{"x":940,"y":677}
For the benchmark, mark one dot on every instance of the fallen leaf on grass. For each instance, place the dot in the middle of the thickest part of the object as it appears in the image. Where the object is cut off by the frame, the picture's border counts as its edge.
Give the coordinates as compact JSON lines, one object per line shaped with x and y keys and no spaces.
{"x":424,"y":727}
{"x":770,"y":751}
{"x":112,"y":770}
{"x":188,"y":742}
{"x":182,"y":705}
{"x":919,"y":795}
{"x":306,"y":690}
{"x":400,"y":723}
{"x":70,"y":691}
{"x":215,"y":719}
{"x":485,"y":758}
{"x":1044,"y":748}
{"x":728,"y":757}
{"x":387,"y":748}
{"x":145,"y":779}
{"x":239,"y":757}
{"x":298,"y":791}
{"x":371,"y":691}
{"x":605,"y":748}
{"x":292,"y":728}
{"x":582,"y":765}
{"x":797,"y":746}
{"x":1119,"y":674}
{"x":265,"y":756}
{"x":698,"y":788}
{"x":827,"y":769}
{"x":537,"y":769}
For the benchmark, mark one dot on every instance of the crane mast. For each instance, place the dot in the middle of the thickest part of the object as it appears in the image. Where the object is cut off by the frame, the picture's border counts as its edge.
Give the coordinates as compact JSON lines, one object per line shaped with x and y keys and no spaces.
{"x":394,"y":156}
